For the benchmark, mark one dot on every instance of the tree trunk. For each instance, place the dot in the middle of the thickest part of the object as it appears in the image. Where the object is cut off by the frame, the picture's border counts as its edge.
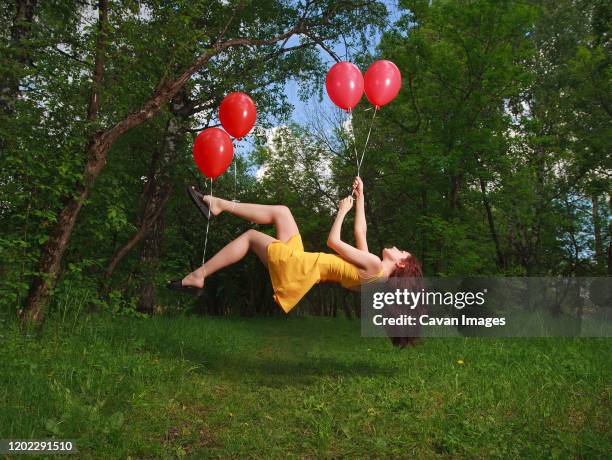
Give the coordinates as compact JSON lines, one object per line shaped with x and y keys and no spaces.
{"x":154,"y":198}
{"x":151,"y":249}
{"x":456,"y":181}
{"x":157,"y":188}
{"x":347,"y":302}
{"x":599,"y":256}
{"x":610,"y":237}
{"x":153,"y":213}
{"x":18,"y":52}
{"x":149,"y":257}
{"x":94,"y":97}
{"x":53,"y":250}
{"x":485,"y":201}
{"x":572,"y":234}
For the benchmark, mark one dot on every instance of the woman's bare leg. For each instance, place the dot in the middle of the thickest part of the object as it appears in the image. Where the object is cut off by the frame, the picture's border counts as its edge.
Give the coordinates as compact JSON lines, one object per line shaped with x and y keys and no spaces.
{"x":233,"y":252}
{"x":278,"y":215}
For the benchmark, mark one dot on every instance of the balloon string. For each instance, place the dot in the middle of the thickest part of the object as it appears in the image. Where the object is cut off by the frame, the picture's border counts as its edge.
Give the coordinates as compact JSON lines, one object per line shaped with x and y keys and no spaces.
{"x":234,"y":200}
{"x":235,"y":181}
{"x":207,"y":222}
{"x":366,"y":142}
{"x":354,"y":141}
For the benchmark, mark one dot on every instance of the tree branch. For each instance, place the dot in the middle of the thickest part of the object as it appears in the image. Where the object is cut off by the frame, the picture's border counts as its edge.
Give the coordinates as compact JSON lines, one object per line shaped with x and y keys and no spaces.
{"x":94,"y":100}
{"x":71,"y":56}
{"x":169,"y":88}
{"x":320,"y":42}
{"x":228,"y":23}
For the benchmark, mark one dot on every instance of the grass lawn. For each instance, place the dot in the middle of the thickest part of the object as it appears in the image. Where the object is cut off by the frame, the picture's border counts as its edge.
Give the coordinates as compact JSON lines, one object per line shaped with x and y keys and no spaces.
{"x":284,"y":387}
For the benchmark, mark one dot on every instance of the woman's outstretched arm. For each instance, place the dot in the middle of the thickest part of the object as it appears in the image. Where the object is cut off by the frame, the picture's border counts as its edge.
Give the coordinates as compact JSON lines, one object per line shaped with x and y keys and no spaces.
{"x":360,"y":221}
{"x":362,"y":259}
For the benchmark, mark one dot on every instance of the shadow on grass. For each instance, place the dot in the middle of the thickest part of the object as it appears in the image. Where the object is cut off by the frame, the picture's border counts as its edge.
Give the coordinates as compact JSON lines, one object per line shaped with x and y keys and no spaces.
{"x":274,"y":357}
{"x":273,"y":367}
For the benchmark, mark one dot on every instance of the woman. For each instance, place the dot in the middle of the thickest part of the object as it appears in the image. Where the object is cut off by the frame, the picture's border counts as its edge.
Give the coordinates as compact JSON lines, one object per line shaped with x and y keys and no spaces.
{"x":292,"y":270}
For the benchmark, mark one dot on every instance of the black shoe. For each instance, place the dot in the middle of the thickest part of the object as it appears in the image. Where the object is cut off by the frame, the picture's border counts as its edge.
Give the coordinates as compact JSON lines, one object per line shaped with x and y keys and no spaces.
{"x":197,"y":199}
{"x":178,"y":286}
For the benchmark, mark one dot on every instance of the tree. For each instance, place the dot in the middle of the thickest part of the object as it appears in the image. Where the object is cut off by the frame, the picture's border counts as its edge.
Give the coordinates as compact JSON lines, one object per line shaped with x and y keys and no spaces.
{"x":268,"y":25}
{"x":440,"y":146}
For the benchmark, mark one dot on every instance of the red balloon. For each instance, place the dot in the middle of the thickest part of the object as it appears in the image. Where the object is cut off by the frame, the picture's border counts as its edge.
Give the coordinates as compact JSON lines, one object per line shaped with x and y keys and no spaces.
{"x":237,"y":114}
{"x":213,"y":152}
{"x":382,"y":82}
{"x":344,"y":84}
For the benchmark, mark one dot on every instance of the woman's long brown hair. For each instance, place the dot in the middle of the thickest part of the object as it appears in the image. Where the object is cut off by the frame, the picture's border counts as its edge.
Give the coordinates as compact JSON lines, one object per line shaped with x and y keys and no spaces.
{"x":408,"y":277}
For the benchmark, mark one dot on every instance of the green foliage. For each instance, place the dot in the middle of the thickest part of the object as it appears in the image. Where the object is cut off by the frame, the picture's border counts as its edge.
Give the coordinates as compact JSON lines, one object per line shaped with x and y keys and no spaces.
{"x":493,"y":159}
{"x":479,"y":147}
{"x":45,"y":139}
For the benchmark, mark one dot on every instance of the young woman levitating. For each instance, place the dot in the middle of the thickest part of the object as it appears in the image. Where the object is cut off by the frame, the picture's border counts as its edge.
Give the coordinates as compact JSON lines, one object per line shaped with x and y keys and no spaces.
{"x":292,"y":270}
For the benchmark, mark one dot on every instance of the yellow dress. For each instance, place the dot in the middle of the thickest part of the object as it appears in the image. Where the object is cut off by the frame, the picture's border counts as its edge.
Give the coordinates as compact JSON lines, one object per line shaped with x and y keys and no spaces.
{"x":294,"y":271}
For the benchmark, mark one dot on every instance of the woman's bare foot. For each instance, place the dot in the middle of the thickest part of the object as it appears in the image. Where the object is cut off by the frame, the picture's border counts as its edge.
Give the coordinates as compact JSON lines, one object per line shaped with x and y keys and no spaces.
{"x":213,"y":203}
{"x":194,"y":279}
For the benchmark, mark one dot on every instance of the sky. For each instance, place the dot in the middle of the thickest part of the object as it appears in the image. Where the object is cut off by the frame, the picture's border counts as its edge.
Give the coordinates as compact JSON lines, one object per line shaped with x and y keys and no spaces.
{"x":300,"y":112}
{"x":303,"y":112}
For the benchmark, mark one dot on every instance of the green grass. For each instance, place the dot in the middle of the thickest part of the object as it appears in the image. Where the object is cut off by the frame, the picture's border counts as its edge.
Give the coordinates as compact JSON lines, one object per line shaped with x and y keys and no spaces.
{"x":300,"y":388}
